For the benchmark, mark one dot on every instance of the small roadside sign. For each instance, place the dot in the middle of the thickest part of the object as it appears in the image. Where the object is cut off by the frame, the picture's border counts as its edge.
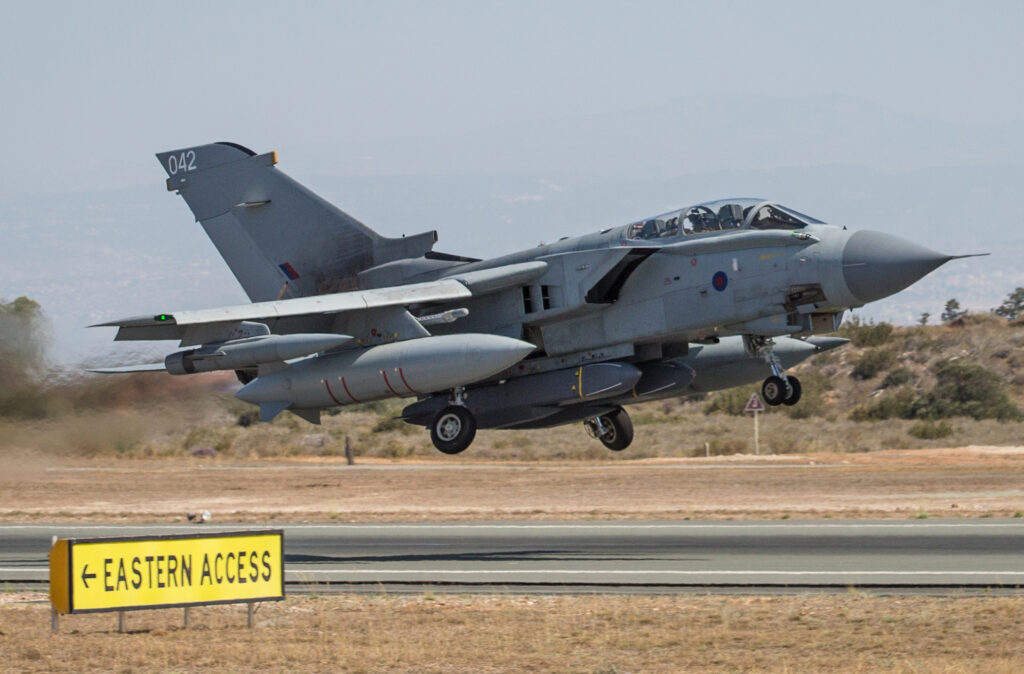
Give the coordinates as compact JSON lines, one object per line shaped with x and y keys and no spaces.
{"x":755,"y":404}
{"x":110,"y":574}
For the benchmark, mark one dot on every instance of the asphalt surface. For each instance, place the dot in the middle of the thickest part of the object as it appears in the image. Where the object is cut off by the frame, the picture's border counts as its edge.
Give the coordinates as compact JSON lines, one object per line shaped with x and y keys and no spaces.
{"x":935,"y":556}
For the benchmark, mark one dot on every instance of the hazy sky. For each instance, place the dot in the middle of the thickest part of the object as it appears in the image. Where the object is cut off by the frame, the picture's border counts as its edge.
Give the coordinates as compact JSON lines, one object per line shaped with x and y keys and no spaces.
{"x":91,"y":90}
{"x":500,"y":124}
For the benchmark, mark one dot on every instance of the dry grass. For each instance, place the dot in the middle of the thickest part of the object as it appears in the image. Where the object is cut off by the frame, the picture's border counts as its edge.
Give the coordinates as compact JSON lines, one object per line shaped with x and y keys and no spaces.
{"x":154,"y":415}
{"x":972,"y":482}
{"x":136,"y":438}
{"x":667,"y":429}
{"x":442,"y":633}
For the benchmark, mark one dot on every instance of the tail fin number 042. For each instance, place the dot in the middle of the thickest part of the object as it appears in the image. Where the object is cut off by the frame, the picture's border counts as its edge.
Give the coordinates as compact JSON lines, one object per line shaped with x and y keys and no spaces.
{"x":186,"y":161}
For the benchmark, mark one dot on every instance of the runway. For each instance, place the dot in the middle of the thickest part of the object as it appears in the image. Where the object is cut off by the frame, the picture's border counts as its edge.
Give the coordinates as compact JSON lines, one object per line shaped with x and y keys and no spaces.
{"x":936,"y":556}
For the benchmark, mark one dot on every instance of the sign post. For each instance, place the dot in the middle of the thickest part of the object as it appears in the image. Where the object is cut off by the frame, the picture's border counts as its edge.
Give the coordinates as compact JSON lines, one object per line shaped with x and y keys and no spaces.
{"x":755,"y":405}
{"x":121,"y":574}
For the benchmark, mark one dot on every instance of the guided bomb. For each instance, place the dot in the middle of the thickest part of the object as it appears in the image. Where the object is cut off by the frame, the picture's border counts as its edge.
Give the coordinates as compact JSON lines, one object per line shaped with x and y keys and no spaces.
{"x":248,"y":353}
{"x":558,"y":397}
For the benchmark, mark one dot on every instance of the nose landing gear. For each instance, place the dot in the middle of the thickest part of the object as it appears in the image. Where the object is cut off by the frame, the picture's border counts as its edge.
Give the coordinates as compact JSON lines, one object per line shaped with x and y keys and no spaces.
{"x":778,"y":389}
{"x":614,"y":430}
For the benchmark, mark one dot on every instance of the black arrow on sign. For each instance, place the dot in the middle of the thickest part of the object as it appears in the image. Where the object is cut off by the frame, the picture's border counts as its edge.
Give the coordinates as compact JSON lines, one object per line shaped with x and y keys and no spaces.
{"x":86,"y":575}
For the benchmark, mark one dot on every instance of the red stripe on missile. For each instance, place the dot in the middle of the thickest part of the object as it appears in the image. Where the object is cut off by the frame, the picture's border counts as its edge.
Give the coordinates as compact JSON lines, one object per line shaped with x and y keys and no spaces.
{"x":402,"y":375}
{"x":330,"y":393}
{"x":390,"y":388}
{"x":354,"y":399}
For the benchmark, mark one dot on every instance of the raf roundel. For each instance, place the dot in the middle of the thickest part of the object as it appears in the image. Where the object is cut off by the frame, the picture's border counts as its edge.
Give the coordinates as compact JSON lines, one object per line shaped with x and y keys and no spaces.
{"x":719,"y":281}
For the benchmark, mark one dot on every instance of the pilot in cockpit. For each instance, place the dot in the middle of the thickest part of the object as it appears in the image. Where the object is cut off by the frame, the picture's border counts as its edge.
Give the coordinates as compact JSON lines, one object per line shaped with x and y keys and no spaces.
{"x":703,"y":219}
{"x":671,"y":227}
{"x":649,"y":230}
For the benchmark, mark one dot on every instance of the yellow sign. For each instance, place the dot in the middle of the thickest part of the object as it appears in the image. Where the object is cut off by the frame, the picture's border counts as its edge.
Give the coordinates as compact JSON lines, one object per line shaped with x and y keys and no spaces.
{"x":104,"y":574}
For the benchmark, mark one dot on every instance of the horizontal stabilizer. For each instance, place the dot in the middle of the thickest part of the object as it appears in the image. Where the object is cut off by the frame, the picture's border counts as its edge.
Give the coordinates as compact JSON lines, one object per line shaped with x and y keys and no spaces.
{"x":124,"y":369}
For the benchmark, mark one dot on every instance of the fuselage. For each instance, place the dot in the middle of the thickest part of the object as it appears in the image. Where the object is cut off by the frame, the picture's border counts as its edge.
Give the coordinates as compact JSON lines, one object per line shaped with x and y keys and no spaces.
{"x":688,"y":300}
{"x":780,"y":274}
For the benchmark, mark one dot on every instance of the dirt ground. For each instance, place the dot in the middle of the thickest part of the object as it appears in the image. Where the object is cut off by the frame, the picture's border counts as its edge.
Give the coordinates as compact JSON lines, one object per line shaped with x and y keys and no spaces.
{"x":963,"y":482}
{"x":445,"y":633}
{"x":850,"y":632}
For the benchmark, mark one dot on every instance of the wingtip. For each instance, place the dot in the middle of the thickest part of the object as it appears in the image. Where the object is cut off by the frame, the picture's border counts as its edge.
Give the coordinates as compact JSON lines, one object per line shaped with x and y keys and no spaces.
{"x":127,"y":369}
{"x":138,"y":321}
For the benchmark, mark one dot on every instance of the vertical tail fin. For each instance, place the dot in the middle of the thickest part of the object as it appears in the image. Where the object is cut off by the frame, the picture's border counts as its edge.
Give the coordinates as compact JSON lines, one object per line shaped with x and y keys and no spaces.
{"x":279,"y":238}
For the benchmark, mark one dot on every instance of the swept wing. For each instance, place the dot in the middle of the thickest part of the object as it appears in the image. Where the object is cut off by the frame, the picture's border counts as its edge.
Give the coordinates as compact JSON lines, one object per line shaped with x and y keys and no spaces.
{"x":205,"y":325}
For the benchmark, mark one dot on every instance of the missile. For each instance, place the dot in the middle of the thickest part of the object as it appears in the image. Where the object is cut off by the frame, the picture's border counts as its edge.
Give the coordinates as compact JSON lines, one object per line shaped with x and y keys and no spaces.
{"x":401,"y":369}
{"x":449,"y":316}
{"x":247,"y":353}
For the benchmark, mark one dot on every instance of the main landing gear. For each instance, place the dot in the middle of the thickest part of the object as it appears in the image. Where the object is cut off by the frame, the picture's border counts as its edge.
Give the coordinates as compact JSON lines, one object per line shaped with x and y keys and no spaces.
{"x":778,"y":389}
{"x":453,"y":428}
{"x":614,"y":430}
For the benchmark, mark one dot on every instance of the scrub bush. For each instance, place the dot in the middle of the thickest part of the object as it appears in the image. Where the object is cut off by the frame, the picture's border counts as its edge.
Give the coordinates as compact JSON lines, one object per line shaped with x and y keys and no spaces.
{"x":966,"y":390}
{"x":866,"y":334}
{"x":871,"y":362}
{"x":931,"y":430}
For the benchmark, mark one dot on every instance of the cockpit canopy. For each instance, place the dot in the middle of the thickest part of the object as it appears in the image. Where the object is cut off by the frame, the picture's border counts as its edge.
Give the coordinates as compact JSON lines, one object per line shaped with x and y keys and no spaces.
{"x":716,"y":216}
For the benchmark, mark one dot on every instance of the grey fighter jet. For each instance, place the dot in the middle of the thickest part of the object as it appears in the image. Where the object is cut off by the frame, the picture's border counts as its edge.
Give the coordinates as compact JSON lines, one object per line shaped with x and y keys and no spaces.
{"x":704,"y":297}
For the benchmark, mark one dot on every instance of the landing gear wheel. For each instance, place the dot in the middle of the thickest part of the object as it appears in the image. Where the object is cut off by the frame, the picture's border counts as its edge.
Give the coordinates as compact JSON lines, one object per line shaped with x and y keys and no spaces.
{"x":774,"y":390}
{"x":453,"y":429}
{"x":614,"y":430}
{"x":794,"y":391}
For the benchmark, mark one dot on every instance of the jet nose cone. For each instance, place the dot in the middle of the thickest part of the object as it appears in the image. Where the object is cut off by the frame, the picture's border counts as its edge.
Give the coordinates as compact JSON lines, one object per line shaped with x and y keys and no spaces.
{"x":876,"y":265}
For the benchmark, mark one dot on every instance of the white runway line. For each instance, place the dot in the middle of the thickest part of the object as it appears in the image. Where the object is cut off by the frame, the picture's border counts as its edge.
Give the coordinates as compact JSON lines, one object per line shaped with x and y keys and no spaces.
{"x":623,"y":572}
{"x":595,"y":572}
{"x":586,"y":526}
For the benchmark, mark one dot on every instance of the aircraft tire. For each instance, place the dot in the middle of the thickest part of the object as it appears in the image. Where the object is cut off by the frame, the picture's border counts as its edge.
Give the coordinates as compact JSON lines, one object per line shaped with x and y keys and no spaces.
{"x":773,"y":390}
{"x":620,"y":430}
{"x":453,"y":429}
{"x":794,"y":392}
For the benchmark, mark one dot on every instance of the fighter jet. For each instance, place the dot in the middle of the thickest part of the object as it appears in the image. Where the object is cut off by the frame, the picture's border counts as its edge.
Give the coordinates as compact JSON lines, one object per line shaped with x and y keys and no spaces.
{"x":700,"y":298}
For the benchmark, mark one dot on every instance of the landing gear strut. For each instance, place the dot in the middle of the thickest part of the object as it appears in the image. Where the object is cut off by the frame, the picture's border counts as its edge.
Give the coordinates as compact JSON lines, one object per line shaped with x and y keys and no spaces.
{"x":452,"y":430}
{"x":614,"y":430}
{"x":778,"y":389}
